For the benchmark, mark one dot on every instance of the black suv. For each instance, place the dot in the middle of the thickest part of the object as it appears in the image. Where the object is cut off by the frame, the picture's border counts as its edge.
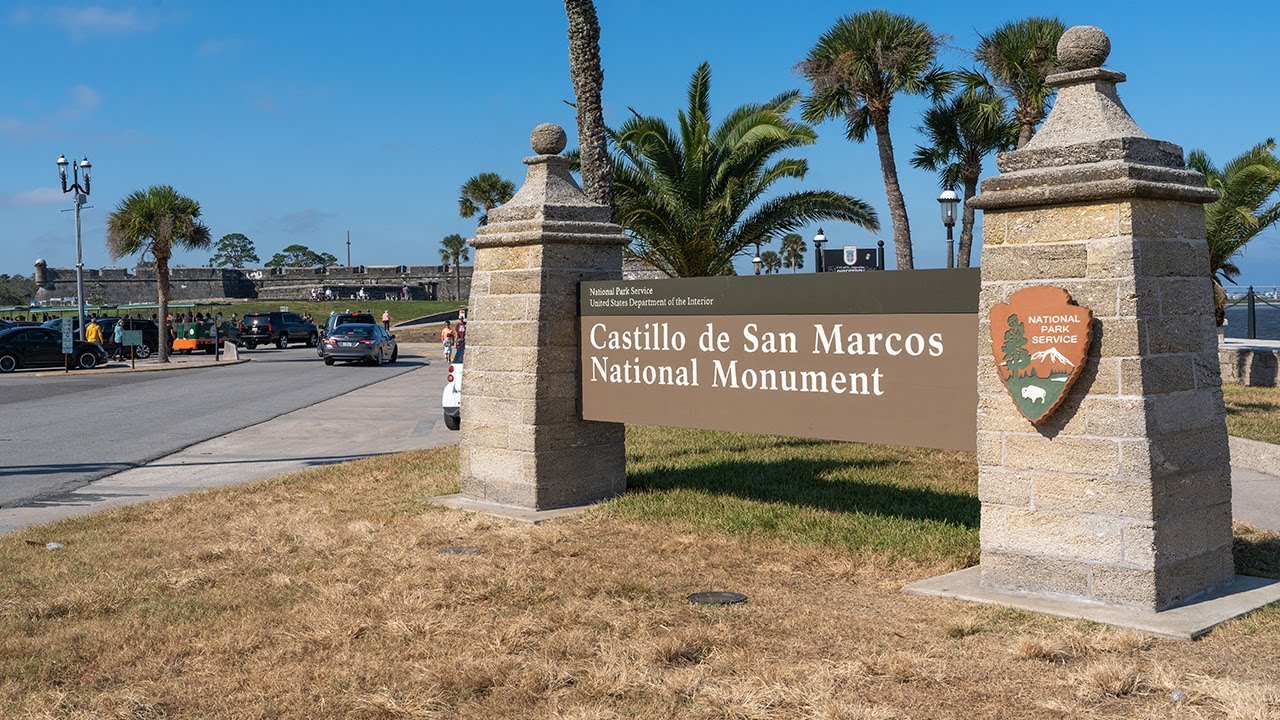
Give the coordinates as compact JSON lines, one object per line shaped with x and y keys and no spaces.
{"x":276,"y":328}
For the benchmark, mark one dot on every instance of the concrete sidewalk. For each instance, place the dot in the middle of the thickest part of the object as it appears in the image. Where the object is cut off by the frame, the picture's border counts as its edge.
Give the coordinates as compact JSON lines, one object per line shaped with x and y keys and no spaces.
{"x":398,"y":414}
{"x":151,"y":364}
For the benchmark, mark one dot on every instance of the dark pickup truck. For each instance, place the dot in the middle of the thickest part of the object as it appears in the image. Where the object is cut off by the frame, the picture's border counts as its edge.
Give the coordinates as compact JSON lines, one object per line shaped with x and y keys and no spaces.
{"x":276,"y":328}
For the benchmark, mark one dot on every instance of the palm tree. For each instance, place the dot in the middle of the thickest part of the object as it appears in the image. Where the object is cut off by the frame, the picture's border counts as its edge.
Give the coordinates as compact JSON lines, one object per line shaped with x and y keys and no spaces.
{"x":1019,"y":56}
{"x":793,"y":250}
{"x":855,"y":70}
{"x":486,"y":190}
{"x":157,"y":220}
{"x":961,"y":134}
{"x":771,"y":261}
{"x":453,"y":251}
{"x":693,"y":197}
{"x":1247,"y":205}
{"x":588,"y":80}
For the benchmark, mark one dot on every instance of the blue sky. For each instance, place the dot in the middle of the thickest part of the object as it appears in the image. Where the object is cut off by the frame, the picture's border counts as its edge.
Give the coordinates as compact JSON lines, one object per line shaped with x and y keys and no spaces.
{"x":296,"y":122}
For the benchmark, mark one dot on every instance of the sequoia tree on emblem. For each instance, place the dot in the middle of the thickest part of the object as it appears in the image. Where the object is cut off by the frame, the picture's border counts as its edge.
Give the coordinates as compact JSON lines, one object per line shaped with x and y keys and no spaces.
{"x":1040,"y":340}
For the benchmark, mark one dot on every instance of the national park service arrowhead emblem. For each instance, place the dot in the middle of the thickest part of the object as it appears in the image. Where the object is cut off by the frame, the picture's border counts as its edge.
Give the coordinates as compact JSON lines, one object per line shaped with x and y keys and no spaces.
{"x":1040,"y":340}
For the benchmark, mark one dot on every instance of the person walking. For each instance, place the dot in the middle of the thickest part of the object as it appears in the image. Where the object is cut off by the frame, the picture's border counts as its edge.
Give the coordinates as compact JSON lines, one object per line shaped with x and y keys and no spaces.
{"x":446,"y":337}
{"x":92,"y":332}
{"x":117,"y":337}
{"x":460,"y":332}
{"x":386,"y":320}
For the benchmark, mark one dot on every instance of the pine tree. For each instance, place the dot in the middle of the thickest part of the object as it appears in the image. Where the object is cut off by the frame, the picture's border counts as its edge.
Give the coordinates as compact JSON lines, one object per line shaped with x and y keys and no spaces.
{"x":1015,"y":352}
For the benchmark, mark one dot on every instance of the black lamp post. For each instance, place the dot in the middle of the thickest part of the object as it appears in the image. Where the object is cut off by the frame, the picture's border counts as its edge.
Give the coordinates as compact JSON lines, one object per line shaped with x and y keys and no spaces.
{"x":82,"y":195}
{"x":756,"y":261}
{"x":948,"y":200}
{"x":818,"y":241}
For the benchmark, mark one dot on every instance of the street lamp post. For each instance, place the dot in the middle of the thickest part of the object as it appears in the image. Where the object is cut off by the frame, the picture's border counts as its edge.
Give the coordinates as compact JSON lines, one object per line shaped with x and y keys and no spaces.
{"x":818,"y":241}
{"x":756,"y":260}
{"x":81,"y":196}
{"x":948,"y":201}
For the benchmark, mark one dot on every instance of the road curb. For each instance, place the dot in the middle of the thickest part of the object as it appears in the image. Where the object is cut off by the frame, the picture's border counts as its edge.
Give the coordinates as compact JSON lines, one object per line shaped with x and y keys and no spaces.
{"x":156,"y":368}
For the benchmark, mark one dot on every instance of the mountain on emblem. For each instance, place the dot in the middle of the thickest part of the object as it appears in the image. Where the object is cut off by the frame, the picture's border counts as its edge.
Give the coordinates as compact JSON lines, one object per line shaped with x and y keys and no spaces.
{"x":1052,"y":357}
{"x":1040,"y":340}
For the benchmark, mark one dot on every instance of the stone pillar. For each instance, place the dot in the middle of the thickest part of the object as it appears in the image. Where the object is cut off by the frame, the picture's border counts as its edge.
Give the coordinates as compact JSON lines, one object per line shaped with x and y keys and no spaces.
{"x":1123,"y":495}
{"x":524,"y":443}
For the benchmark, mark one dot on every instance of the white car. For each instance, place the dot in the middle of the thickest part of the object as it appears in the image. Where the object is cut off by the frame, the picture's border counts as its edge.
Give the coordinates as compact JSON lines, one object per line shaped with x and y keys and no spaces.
{"x":451,"y":398}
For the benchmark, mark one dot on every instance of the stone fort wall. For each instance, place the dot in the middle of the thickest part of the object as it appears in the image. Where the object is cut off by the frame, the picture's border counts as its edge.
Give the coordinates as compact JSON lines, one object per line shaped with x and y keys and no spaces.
{"x":115,"y":286}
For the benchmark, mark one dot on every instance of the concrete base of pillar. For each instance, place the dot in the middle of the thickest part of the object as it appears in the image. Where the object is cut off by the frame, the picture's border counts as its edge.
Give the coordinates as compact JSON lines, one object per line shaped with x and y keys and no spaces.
{"x":1239,"y":596}
{"x":507,"y":512}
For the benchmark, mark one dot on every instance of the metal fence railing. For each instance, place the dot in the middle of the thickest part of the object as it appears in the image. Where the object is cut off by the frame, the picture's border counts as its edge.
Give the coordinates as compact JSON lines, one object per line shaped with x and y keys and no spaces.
{"x":1251,"y":297}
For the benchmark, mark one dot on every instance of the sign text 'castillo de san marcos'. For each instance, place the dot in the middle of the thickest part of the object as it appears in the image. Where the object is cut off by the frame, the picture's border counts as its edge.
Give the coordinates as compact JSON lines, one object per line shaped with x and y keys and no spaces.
{"x":884,"y":357}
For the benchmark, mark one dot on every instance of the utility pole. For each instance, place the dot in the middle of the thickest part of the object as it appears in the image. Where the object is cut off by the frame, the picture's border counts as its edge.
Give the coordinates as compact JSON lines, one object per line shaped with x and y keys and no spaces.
{"x":348,"y":248}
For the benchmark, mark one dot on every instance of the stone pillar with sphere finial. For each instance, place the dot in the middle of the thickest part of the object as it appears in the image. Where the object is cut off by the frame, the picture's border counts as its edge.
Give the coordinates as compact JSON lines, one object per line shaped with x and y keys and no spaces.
{"x":524,"y":444}
{"x":1121,"y":497}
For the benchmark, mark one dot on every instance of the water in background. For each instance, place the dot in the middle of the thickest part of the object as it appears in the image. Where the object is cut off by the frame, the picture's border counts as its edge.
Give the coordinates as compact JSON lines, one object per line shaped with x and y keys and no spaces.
{"x":1268,"y":321}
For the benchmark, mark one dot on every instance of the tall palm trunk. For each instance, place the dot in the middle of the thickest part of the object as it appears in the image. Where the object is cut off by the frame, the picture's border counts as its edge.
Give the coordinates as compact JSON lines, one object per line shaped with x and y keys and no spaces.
{"x":1219,"y":302}
{"x":1025,"y":131}
{"x":162,"y":299}
{"x":966,"y":222}
{"x":897,"y":207}
{"x":588,"y":81}
{"x":457,"y":279}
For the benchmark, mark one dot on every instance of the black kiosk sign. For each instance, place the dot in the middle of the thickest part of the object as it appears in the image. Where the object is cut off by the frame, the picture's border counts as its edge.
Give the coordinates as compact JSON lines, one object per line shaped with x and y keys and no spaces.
{"x":880,"y":357}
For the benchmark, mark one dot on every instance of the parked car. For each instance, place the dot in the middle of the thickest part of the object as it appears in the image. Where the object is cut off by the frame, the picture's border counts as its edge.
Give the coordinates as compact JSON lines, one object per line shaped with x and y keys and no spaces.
{"x":276,"y":328}
{"x":5,"y":325}
{"x":360,"y":342}
{"x":451,"y":398}
{"x":42,"y":347}
{"x":150,"y":333}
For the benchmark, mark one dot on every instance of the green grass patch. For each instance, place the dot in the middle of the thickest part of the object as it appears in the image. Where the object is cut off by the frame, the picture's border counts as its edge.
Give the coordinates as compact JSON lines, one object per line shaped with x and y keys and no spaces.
{"x":1253,"y":412}
{"x":868,"y":499}
{"x":400,"y":310}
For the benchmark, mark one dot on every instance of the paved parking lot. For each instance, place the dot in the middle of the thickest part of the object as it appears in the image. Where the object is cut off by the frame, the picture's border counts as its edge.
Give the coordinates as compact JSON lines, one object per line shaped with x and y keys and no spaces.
{"x":397,"y":413}
{"x":59,"y":432}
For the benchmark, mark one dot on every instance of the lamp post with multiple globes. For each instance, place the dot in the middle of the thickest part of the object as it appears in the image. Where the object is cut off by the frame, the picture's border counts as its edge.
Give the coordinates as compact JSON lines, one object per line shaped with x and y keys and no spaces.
{"x":81,"y":197}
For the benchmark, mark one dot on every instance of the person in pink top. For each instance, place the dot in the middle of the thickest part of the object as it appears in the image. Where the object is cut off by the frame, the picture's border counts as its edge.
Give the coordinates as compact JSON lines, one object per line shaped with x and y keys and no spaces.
{"x":386,"y":320}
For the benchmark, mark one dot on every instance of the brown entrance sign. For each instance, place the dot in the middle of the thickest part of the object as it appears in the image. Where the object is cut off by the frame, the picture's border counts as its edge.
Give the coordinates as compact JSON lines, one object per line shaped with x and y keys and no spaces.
{"x":874,"y":357}
{"x":1040,"y":340}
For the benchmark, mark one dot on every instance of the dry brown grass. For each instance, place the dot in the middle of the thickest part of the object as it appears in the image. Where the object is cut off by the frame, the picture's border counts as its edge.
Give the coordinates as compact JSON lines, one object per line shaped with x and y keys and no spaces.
{"x":321,"y":595}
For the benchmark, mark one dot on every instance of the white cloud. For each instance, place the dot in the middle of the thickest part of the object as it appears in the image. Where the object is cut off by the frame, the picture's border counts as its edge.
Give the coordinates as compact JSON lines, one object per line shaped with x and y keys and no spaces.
{"x":35,"y":196}
{"x":83,"y":100}
{"x":85,"y":97}
{"x":217,"y":46}
{"x":83,"y":21}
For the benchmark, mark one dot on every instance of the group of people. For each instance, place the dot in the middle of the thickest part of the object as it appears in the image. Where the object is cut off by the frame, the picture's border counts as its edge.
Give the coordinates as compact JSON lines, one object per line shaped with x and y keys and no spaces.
{"x":452,"y":336}
{"x":93,"y":333}
{"x":361,"y":294}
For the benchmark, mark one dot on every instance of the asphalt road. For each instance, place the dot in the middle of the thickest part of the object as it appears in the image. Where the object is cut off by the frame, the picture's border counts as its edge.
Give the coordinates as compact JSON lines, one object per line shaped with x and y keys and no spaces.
{"x":61,"y":433}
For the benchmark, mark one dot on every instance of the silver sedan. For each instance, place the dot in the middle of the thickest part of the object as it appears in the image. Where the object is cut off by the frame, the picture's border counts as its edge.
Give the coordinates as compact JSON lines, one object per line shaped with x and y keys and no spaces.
{"x":359,"y":342}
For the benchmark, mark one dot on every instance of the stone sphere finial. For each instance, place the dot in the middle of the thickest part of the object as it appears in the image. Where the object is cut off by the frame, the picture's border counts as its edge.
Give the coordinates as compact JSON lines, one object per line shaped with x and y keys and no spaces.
{"x":548,"y":139}
{"x":1083,"y":47}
